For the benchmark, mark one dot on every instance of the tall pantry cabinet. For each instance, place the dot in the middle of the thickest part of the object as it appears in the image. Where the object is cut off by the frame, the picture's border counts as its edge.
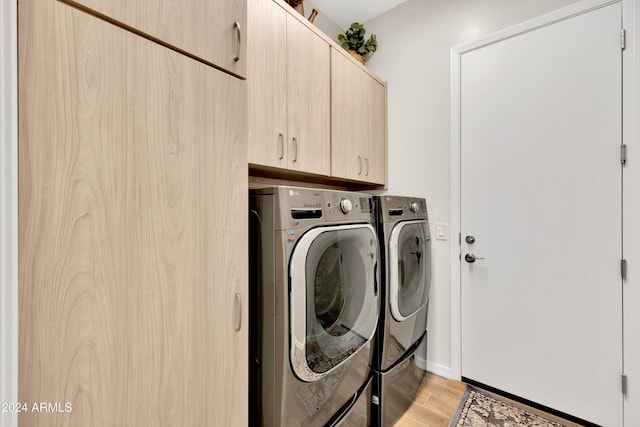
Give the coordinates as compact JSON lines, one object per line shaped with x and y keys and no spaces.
{"x":132,"y":227}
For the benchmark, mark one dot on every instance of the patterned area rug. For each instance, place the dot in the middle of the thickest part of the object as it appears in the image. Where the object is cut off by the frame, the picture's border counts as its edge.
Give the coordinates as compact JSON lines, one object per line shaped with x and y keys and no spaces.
{"x":481,"y":409}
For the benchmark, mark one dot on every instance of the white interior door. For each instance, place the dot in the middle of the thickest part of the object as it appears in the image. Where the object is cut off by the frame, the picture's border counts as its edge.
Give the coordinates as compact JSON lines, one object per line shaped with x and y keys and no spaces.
{"x":540,"y":132}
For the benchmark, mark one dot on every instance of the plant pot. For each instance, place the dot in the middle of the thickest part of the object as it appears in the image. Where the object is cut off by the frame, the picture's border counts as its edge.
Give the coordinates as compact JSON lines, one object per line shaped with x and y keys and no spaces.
{"x":356,"y":55}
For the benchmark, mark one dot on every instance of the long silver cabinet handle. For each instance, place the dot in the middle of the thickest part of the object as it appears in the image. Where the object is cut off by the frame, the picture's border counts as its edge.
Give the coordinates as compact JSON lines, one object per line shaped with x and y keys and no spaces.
{"x":366,"y":162}
{"x":281,"y":144}
{"x":236,"y":25}
{"x":295,"y":149}
{"x":359,"y":165}
{"x":237,"y":312}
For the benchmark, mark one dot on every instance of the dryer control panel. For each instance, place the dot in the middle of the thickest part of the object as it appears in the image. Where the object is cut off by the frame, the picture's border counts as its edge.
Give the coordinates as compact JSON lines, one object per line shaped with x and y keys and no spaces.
{"x":395,"y":208}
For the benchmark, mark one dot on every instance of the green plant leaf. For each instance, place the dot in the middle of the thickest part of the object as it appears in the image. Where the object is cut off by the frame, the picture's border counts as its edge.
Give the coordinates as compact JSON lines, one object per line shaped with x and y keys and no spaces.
{"x":353,"y":39}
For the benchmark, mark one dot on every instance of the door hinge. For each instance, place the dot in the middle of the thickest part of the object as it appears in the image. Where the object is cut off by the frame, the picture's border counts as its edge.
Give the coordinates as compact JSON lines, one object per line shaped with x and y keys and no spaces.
{"x":623,"y":269}
{"x":623,"y":383}
{"x":623,"y":154}
{"x":623,"y":38}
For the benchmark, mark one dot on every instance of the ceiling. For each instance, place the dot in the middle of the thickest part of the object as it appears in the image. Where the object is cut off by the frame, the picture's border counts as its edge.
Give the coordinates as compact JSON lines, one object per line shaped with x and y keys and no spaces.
{"x":345,"y":12}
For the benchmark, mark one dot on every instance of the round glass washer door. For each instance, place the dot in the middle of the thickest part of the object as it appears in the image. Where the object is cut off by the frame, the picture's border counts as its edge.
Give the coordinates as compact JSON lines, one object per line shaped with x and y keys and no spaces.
{"x":334,"y":298}
{"x":409,"y":268}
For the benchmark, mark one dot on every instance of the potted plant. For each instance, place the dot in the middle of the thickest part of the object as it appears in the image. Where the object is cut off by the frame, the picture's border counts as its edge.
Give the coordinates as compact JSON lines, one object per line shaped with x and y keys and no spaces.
{"x":353,"y":41}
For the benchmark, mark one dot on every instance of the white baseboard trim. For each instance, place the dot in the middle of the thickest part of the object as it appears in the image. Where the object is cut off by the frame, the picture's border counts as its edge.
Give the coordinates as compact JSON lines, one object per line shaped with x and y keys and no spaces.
{"x":421,"y":363}
{"x":436,"y":368}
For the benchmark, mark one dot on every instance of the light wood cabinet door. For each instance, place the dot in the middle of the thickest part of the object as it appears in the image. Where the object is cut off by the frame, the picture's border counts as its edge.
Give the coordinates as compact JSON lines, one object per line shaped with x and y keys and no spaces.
{"x":358,"y":123}
{"x":132,"y":228}
{"x":267,"y":71}
{"x":375,"y":150}
{"x":308,"y":99}
{"x":289,"y":92}
{"x":206,"y":29}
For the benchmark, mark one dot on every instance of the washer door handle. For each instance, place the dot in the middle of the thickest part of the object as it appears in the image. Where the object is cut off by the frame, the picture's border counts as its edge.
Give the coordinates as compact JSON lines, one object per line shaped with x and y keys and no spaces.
{"x":375,"y":279}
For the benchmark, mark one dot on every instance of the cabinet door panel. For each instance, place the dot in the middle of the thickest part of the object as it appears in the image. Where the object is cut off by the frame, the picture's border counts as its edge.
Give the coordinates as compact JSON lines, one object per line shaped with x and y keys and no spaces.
{"x":308,"y":92}
{"x":358,"y":123}
{"x":348,"y":118}
{"x":204,"y":28}
{"x":132,"y":228}
{"x":376,"y":133}
{"x":267,"y":84}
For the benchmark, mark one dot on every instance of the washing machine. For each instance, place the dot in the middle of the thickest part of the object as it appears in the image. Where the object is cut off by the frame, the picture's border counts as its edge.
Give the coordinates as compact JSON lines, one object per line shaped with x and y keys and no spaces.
{"x":315,"y":299}
{"x":405,"y":246}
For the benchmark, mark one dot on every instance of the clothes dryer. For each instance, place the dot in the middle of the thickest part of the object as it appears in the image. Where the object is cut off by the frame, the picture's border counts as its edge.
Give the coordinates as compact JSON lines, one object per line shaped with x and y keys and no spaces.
{"x":405,"y":242}
{"x":314,"y":307}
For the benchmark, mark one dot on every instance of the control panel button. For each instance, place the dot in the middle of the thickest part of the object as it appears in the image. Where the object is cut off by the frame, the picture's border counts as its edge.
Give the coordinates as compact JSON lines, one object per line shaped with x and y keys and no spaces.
{"x":414,"y":207}
{"x":346,"y":206}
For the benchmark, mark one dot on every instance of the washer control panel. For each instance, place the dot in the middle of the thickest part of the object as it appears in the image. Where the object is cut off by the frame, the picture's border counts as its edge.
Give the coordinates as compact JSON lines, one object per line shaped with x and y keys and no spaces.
{"x":346,"y":206}
{"x":299,"y":207}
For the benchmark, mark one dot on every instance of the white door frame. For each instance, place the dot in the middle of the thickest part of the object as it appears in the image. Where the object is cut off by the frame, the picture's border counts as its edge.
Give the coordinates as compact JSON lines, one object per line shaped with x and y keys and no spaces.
{"x":8,"y":208}
{"x":631,"y":191}
{"x":631,"y":210}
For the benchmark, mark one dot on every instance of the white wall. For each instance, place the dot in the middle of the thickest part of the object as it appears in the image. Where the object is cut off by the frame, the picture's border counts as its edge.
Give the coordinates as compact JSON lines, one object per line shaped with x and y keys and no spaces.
{"x":414,"y":42}
{"x":322,"y":21}
{"x":8,"y":210}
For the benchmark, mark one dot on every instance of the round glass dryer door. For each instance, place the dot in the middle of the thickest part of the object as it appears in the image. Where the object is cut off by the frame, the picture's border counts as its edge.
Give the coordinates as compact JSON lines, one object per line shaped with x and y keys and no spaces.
{"x":409,"y":268}
{"x":334,"y":297}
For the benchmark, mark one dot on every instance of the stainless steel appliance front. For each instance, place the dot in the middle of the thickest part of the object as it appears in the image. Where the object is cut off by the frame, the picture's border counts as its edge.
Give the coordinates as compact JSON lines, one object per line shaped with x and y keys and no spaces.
{"x":405,"y":240}
{"x":315,"y":304}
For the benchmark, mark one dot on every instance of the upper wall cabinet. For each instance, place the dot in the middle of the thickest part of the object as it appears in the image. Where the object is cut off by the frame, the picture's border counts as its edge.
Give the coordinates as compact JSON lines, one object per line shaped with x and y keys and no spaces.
{"x":289,"y":92}
{"x":358,"y":122}
{"x":267,"y":68}
{"x":211,"y":30}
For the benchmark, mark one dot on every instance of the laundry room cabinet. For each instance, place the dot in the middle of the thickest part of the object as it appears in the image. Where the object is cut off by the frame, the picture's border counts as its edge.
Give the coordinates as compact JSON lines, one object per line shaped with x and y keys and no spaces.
{"x":212,"y":30}
{"x":132,"y":228}
{"x":312,"y":109}
{"x":289,"y":92}
{"x":358,"y":122}
{"x":267,"y":70}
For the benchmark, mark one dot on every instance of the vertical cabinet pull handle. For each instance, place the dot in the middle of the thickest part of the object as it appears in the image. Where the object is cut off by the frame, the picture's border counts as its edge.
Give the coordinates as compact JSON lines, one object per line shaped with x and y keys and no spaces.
{"x":359,"y":165}
{"x":295,"y":149}
{"x":237,"y":312}
{"x":281,"y":143}
{"x":236,"y":25}
{"x":366,"y":162}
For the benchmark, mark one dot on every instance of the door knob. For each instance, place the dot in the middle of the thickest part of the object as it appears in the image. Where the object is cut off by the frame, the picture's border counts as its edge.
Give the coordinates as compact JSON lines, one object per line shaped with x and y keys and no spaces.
{"x":470,"y":240}
{"x":471,"y":258}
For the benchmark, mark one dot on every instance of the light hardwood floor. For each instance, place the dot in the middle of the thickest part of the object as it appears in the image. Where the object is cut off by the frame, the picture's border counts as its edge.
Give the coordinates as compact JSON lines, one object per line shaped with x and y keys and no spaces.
{"x":438,"y":399}
{"x":435,"y":403}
